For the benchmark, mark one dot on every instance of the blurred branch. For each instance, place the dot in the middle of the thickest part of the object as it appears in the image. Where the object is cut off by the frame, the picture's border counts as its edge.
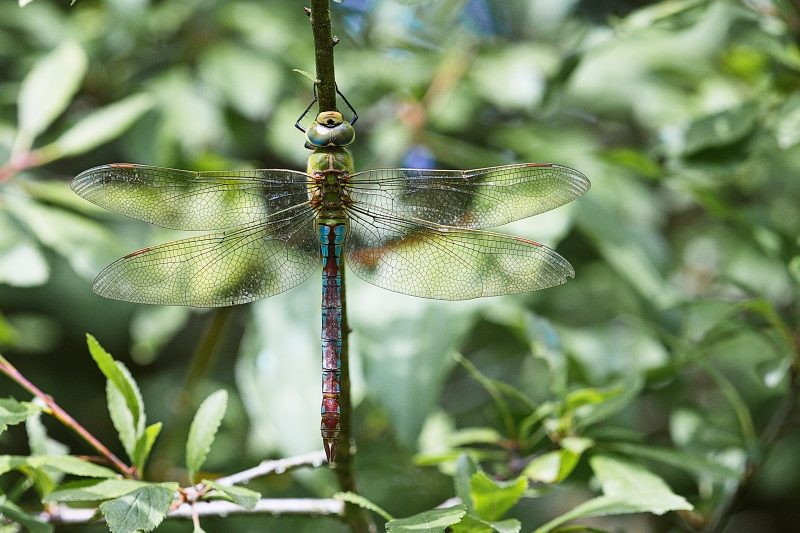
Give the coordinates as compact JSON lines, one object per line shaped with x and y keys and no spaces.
{"x":278,"y":466}
{"x":62,"y":416}
{"x":62,"y":514}
{"x":323,"y":54}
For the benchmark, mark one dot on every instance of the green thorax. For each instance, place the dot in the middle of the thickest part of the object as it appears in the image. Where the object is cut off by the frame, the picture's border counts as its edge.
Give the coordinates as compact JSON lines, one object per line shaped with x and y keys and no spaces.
{"x":330,"y":164}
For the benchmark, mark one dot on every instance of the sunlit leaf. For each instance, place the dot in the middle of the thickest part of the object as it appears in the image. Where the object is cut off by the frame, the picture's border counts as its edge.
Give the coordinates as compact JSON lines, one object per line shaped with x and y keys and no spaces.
{"x":13,"y":412}
{"x":48,"y":88}
{"x":493,"y":498}
{"x":434,"y":521}
{"x":362,"y":502}
{"x":91,"y":490}
{"x":63,"y":463}
{"x":203,"y":430}
{"x":145,"y":444}
{"x":239,"y":495}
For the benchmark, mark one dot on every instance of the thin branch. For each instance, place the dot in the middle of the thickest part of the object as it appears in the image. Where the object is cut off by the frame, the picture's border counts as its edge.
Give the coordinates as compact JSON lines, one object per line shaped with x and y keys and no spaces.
{"x":62,"y":514}
{"x":62,"y":416}
{"x":279,"y":466}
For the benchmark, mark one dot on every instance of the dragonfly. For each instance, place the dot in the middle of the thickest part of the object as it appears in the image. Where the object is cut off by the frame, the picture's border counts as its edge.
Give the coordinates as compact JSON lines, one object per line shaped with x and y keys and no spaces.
{"x":419,"y":232}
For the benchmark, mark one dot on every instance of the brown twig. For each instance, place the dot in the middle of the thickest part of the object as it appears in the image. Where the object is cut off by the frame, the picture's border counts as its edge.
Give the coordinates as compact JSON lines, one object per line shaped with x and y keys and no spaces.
{"x":62,"y":416}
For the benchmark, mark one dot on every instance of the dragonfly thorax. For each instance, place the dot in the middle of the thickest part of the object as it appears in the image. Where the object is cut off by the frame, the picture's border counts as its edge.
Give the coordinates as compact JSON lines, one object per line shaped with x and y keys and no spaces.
{"x":329,"y":129}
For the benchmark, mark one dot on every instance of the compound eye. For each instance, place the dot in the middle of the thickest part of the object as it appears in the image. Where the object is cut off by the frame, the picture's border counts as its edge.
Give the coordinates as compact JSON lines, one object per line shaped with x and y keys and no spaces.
{"x":343,"y":134}
{"x":318,"y":135}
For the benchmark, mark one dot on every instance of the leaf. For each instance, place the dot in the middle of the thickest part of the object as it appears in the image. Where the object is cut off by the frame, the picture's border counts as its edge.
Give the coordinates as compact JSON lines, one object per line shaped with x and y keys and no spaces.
{"x":700,"y":466}
{"x":117,"y":374}
{"x":721,"y":129}
{"x":627,"y":488}
{"x":472,"y":524}
{"x":121,"y":417}
{"x":239,"y":495}
{"x":47,"y":90}
{"x":143,"y":509}
{"x":466,"y":467}
{"x":203,"y":430}
{"x":555,"y":466}
{"x":39,"y":441}
{"x":63,"y":463}
{"x":493,"y":498}
{"x":90,"y":490}
{"x":434,"y":521}
{"x":17,"y":514}
{"x":361,"y":502}
{"x":13,"y":412}
{"x":144,"y":445}
{"x":101,"y":126}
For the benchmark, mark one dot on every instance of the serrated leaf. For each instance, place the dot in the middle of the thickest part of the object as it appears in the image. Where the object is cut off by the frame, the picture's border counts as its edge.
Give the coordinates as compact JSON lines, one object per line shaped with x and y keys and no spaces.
{"x":493,"y":498}
{"x":48,"y":89}
{"x":239,"y":495}
{"x":17,"y":514}
{"x":140,"y":510}
{"x":13,"y":412}
{"x":627,"y":488}
{"x":434,"y":521}
{"x":466,"y":467}
{"x":145,"y":444}
{"x":91,"y":490}
{"x":117,"y":374}
{"x":39,"y":441}
{"x":101,"y":126}
{"x":472,"y":524}
{"x":203,"y":430}
{"x":361,"y":502}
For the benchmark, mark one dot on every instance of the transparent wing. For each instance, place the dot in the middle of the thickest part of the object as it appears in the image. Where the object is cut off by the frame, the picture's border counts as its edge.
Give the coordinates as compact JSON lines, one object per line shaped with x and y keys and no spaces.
{"x":232,"y":267}
{"x":481,"y":198}
{"x":420,"y":258}
{"x":182,"y":199}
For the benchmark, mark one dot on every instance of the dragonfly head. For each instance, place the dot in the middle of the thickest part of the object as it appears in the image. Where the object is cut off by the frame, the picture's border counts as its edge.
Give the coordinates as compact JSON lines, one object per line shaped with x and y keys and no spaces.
{"x":329,"y":129}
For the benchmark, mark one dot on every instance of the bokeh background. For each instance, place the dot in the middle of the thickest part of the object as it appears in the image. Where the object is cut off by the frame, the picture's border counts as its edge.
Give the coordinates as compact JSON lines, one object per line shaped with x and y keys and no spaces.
{"x":684,"y":114}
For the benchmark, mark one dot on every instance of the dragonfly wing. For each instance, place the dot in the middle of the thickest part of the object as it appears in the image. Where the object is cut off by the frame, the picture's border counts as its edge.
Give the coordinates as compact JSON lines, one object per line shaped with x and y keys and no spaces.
{"x":432,"y":261}
{"x":481,"y":198}
{"x":227,"y":268}
{"x":182,"y":199}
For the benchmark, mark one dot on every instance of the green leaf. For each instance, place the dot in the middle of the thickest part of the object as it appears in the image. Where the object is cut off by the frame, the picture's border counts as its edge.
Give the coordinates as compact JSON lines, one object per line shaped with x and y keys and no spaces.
{"x":434,"y":521}
{"x":555,"y":466}
{"x":361,"y":502}
{"x":492,"y":499}
{"x":39,"y":441}
{"x":720,"y":129}
{"x":203,"y":430}
{"x":472,"y":524}
{"x":466,"y":467}
{"x":17,"y":514}
{"x":48,"y":89}
{"x":101,"y":126}
{"x":13,"y":412}
{"x":239,"y":495}
{"x":143,"y":509}
{"x":627,"y":488}
{"x":62,"y":463}
{"x":700,"y":466}
{"x":121,"y":417}
{"x":145,"y":444}
{"x":91,"y":490}
{"x":116,"y":373}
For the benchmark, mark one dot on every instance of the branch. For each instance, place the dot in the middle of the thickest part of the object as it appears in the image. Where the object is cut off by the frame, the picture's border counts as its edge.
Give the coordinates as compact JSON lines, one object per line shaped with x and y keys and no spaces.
{"x":62,"y":416}
{"x":323,"y":54}
{"x":278,"y":466}
{"x":63,"y":514}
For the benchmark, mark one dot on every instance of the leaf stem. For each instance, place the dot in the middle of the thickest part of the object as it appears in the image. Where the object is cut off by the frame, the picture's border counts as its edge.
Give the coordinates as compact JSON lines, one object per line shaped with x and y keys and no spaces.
{"x":62,"y":416}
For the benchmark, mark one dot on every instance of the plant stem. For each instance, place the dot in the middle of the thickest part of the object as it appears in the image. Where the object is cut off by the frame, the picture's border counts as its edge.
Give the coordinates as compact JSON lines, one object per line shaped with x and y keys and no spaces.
{"x":323,"y":54}
{"x":357,"y":518}
{"x":62,"y":416}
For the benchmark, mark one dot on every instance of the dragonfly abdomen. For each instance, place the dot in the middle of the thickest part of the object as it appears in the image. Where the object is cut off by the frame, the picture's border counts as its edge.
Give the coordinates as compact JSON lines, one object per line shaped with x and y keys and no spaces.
{"x":331,"y":235}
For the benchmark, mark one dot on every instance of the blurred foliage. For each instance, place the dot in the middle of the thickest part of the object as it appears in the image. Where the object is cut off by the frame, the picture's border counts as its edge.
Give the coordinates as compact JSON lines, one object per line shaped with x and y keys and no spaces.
{"x":667,"y":367}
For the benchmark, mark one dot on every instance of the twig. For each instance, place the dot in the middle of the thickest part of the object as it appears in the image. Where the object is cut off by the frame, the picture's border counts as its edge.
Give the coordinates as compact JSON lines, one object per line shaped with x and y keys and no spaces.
{"x":62,"y":514}
{"x":62,"y":416}
{"x":278,"y":466}
{"x":323,"y":54}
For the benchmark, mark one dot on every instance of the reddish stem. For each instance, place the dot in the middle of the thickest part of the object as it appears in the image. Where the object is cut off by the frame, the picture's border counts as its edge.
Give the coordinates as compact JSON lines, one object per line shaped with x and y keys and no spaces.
{"x":62,"y":416}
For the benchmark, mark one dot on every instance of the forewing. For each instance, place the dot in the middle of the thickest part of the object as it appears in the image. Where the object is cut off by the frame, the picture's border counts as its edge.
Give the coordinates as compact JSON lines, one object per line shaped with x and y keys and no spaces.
{"x":182,"y":199}
{"x":446,"y":263}
{"x":481,"y":198}
{"x":227,"y":268}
